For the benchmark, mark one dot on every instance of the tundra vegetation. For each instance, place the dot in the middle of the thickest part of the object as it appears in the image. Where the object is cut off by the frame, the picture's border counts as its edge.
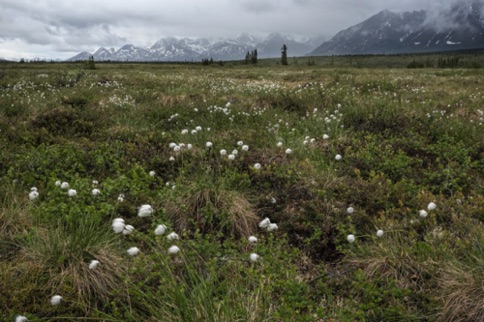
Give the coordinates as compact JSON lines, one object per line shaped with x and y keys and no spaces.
{"x":307,"y":192}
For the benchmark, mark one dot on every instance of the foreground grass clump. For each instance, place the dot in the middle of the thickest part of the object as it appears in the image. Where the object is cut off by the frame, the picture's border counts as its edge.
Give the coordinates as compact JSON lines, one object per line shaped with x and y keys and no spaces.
{"x":241,"y":193}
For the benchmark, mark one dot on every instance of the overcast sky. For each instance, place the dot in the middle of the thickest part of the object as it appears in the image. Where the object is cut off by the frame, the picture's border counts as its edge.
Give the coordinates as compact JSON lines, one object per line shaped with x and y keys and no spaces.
{"x":62,"y":28}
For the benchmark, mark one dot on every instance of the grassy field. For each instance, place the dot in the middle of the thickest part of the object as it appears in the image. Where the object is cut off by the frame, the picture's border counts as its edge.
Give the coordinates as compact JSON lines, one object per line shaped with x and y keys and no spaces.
{"x":129,"y":192}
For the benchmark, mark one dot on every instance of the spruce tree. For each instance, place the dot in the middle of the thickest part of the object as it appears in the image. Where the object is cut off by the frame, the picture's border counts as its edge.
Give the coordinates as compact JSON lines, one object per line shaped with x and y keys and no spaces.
{"x":284,"y":54}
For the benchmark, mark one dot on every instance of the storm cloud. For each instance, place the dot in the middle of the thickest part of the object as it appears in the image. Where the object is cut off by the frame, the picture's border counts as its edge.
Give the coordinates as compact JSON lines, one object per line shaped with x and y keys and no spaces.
{"x":60,"y":28}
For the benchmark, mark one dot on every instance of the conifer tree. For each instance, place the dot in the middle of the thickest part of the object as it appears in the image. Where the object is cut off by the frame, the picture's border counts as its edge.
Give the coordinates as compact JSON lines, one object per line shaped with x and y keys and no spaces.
{"x":284,"y":55}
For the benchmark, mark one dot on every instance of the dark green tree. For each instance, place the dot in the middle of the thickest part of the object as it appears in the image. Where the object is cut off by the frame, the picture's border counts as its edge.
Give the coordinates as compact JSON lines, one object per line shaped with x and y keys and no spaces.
{"x":247,"y":58}
{"x":284,"y":54}
{"x":253,"y":56}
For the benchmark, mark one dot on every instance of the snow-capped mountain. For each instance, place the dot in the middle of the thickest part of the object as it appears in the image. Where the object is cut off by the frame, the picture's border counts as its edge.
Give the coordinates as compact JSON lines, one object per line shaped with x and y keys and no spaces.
{"x":188,"y":49}
{"x":459,"y":26}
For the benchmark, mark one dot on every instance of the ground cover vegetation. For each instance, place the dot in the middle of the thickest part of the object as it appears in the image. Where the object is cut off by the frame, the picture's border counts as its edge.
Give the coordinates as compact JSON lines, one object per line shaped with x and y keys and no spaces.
{"x":307,"y":192}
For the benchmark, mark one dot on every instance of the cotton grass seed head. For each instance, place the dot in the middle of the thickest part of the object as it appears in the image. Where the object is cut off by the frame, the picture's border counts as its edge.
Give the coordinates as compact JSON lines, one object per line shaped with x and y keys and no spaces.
{"x":272,"y":227}
{"x":128,"y":229}
{"x":379,"y":233}
{"x":252,"y":239}
{"x":118,"y":225}
{"x":33,"y":195}
{"x":288,"y":151}
{"x":94,"y":263}
{"x":72,"y":193}
{"x":279,"y":144}
{"x":254,"y":257}
{"x":58,"y":183}
{"x":55,"y":300}
{"x":133,"y":251}
{"x":64,"y":185}
{"x":21,"y":318}
{"x":245,"y":147}
{"x":173,"y":236}
{"x":231,"y":157}
{"x":338,"y":157}
{"x":350,"y":210}
{"x":208,"y":144}
{"x":95,"y":192}
{"x":350,"y":238}
{"x":145,"y":211}
{"x":240,"y":143}
{"x":257,"y":166}
{"x":264,"y":223}
{"x":121,"y":198}
{"x":422,"y":213}
{"x":223,"y":152}
{"x":431,"y":206}
{"x":160,"y":230}
{"x":152,"y":173}
{"x":325,"y":137}
{"x":173,"y":249}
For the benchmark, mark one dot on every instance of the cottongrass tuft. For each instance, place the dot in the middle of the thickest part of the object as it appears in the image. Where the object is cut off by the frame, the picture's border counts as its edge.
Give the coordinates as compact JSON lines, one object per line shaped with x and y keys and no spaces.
{"x":160,"y":230}
{"x":128,"y":229}
{"x":34,"y":194}
{"x":288,"y":151}
{"x":21,"y":318}
{"x":152,"y":173}
{"x":265,"y":223}
{"x":145,"y":211}
{"x":338,"y":157}
{"x":172,"y":236}
{"x":96,"y":192}
{"x":72,"y":193}
{"x":254,"y":257}
{"x":422,"y":213}
{"x":252,"y":239}
{"x":245,"y":147}
{"x":350,"y":210}
{"x":231,"y":157}
{"x":431,"y":206}
{"x":94,"y":263}
{"x":121,"y":198}
{"x":209,"y":144}
{"x":350,"y":238}
{"x":272,"y":227}
{"x":133,"y":251}
{"x":257,"y":166}
{"x":118,"y":225}
{"x":55,"y":300}
{"x":64,"y":185}
{"x":379,"y":233}
{"x":173,"y":249}
{"x":325,"y":137}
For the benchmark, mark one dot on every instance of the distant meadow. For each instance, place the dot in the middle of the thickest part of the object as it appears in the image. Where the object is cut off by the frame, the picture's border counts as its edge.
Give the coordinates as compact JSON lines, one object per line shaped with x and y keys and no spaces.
{"x":330,"y":189}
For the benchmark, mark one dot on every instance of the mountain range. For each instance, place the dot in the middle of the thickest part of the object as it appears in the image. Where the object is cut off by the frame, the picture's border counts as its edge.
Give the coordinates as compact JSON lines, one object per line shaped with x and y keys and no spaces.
{"x":459,"y":26}
{"x":455,"y":26}
{"x":196,"y":49}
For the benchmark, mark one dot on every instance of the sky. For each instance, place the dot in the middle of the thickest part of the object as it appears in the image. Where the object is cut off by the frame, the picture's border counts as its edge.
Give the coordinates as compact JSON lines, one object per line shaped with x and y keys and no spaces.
{"x":59,"y":29}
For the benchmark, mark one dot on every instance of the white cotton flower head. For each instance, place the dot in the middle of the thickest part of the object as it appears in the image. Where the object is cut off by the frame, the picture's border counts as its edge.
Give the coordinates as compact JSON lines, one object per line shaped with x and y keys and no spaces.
{"x":21,"y":318}
{"x":273,"y":200}
{"x":279,"y":144}
{"x":94,"y":263}
{"x":350,"y":210}
{"x":171,"y":159}
{"x":223,"y":152}
{"x":272,"y":227}
{"x":34,"y":194}
{"x":431,"y":206}
{"x":264,"y":223}
{"x":350,"y":238}
{"x":95,"y":192}
{"x":189,"y":146}
{"x":252,"y":239}
{"x":240,"y":143}
{"x":305,"y":142}
{"x":257,"y":166}
{"x":118,"y":225}
{"x":338,"y":157}
{"x":312,"y":140}
{"x":152,"y":173}
{"x":422,"y":213}
{"x":231,"y":157}
{"x":160,"y":230}
{"x":254,"y":257}
{"x":245,"y":147}
{"x":172,"y":145}
{"x":121,"y":198}
{"x":177,"y":148}
{"x":172,"y":236}
{"x":379,"y":233}
{"x":288,"y":151}
{"x":145,"y":211}
{"x":173,"y":249}
{"x":72,"y":193}
{"x":95,"y":182}
{"x":133,"y":251}
{"x":55,"y":300}
{"x":209,"y":144}
{"x":184,"y":131}
{"x":198,"y":128}
{"x":193,"y":132}
{"x":128,"y":229}
{"x":325,"y":137}
{"x":64,"y":185}
{"x":235,"y":152}
{"x":58,"y":183}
